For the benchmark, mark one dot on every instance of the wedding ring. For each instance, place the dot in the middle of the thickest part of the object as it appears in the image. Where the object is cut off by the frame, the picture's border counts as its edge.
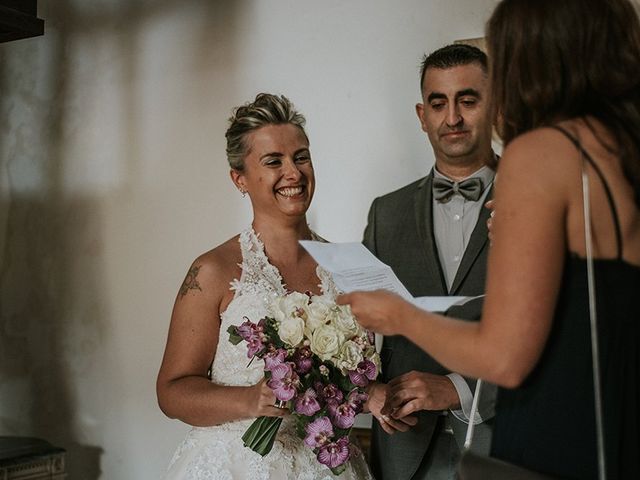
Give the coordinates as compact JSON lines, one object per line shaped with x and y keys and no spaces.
{"x":385,"y":418}
{"x":280,"y":404}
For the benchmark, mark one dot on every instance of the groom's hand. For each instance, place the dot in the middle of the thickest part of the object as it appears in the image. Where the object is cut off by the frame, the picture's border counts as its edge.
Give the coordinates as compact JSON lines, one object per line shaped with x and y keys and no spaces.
{"x":415,"y":391}
{"x":377,"y":395}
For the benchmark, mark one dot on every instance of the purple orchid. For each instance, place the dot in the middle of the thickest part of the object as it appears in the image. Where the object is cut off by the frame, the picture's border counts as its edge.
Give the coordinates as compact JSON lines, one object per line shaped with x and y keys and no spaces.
{"x":365,"y":372}
{"x":319,"y":432}
{"x":254,"y":335}
{"x":357,"y":400}
{"x":334,"y":454}
{"x":342,"y":415}
{"x":274,"y":357}
{"x":254,"y":346}
{"x":246,"y":330}
{"x":371,"y":337}
{"x":307,"y":403}
{"x":329,"y":393}
{"x":284,"y":381}
{"x":303,"y":361}
{"x":260,"y":327}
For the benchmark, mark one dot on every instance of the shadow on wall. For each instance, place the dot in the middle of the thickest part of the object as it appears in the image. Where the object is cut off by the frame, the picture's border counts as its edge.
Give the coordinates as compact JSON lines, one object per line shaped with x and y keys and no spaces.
{"x":48,"y":339}
{"x":52,"y":334}
{"x":46,"y":237}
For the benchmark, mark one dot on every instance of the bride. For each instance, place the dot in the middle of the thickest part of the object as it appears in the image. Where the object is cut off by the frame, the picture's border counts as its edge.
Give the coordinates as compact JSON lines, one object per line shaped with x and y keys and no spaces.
{"x":204,"y":380}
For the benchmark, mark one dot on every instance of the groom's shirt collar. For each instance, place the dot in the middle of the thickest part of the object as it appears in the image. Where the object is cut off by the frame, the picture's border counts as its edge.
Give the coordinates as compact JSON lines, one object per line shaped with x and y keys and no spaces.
{"x":454,"y":222}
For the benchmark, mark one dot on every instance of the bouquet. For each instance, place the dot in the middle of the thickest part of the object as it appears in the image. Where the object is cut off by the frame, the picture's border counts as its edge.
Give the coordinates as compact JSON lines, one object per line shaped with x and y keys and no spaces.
{"x":317,"y":360}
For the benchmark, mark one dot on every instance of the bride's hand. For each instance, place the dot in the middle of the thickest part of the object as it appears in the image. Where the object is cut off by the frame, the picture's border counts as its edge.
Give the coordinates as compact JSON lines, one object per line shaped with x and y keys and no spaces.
{"x":377,"y":398}
{"x":379,"y":311}
{"x":263,"y":401}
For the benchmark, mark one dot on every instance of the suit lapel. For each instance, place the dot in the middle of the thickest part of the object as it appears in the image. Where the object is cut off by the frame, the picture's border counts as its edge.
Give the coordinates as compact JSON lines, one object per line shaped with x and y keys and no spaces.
{"x":476,"y":243}
{"x":424,"y":223}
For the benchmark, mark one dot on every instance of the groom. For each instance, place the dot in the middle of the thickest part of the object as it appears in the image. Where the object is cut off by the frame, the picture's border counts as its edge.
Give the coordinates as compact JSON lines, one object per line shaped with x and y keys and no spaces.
{"x":433,"y":234}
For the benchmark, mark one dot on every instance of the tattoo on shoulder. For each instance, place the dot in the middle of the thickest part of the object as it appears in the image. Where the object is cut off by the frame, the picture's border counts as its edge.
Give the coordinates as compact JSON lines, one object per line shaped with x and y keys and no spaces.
{"x":190,"y":281}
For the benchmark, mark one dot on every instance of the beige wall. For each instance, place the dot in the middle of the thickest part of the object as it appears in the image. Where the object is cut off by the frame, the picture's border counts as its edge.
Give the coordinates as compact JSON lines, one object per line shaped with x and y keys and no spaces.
{"x":113,"y":178}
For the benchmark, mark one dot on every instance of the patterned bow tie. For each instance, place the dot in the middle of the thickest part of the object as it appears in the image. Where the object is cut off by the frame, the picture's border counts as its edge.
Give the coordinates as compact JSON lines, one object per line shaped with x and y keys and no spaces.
{"x":444,"y":189}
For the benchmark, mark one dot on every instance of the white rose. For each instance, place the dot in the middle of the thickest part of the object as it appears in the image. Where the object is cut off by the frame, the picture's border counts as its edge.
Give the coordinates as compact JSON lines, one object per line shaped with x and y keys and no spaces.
{"x":350,"y":355}
{"x":321,"y":305}
{"x":291,"y":330}
{"x":317,"y":312}
{"x":287,"y":305}
{"x":324,"y":298}
{"x":341,"y":318}
{"x":326,"y":341}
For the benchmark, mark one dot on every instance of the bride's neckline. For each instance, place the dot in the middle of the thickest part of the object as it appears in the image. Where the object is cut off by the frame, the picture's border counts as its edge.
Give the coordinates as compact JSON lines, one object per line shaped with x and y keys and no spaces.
{"x":259,"y":276}
{"x":256,"y":245}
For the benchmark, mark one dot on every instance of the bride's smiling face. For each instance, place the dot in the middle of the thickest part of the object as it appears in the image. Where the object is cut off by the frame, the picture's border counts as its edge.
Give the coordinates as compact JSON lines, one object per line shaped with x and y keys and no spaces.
{"x":278,"y":173}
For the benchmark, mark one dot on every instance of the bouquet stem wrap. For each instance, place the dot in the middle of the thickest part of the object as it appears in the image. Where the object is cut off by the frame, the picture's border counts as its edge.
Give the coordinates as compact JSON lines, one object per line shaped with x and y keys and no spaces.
{"x":261,"y":434}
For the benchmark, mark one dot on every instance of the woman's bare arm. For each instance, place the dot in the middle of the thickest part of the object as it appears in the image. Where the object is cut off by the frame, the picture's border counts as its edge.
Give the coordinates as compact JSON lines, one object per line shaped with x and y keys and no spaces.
{"x":538,"y":174}
{"x":183,"y":389}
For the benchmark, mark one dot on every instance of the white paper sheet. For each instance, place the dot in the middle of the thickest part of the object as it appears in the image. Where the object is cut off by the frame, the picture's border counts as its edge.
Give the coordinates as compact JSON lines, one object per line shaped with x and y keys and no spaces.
{"x":439,"y":304}
{"x":353,"y":267}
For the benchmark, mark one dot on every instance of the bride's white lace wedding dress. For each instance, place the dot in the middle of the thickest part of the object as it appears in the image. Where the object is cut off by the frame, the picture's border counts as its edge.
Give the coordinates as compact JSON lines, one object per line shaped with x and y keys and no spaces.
{"x":217,"y":453}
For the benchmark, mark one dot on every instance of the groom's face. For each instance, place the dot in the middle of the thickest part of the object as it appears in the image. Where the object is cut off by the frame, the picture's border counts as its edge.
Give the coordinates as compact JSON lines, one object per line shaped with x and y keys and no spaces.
{"x":453,"y":114}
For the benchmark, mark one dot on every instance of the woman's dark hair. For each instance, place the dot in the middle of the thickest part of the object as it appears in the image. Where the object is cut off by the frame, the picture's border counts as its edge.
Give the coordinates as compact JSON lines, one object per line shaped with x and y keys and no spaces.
{"x":552,"y":60}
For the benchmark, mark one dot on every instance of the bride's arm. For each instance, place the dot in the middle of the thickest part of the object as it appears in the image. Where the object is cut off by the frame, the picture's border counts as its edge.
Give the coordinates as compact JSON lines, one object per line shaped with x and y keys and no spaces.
{"x":537,"y":176}
{"x":183,"y":389}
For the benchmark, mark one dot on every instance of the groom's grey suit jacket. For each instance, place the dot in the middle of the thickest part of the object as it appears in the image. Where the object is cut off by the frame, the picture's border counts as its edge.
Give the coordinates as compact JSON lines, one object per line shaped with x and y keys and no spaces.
{"x":400,"y":233}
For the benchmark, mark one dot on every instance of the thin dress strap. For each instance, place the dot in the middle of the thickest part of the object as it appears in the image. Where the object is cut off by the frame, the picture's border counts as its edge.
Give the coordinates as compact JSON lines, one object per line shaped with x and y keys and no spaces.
{"x":612,"y":205}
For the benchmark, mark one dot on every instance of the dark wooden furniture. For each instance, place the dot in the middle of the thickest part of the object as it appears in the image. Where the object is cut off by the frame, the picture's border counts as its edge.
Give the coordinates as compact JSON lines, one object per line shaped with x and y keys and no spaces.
{"x":19,"y":19}
{"x":27,"y":458}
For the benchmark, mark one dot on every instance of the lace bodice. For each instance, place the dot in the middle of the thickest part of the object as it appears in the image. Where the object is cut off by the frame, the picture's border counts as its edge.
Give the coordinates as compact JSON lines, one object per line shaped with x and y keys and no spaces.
{"x":259,"y":283}
{"x":217,"y":453}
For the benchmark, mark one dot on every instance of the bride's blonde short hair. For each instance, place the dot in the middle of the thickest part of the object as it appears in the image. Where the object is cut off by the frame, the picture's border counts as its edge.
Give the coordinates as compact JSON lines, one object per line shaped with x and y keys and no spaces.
{"x":266,"y":109}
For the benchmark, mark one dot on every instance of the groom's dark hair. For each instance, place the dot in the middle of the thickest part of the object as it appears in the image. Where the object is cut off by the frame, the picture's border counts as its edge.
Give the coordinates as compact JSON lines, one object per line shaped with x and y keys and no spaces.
{"x":451,"y":56}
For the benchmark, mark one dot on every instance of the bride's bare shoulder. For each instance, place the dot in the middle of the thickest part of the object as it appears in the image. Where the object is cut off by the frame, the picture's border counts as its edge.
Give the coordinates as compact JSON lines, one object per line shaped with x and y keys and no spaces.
{"x":218,"y":266}
{"x":225,"y":253}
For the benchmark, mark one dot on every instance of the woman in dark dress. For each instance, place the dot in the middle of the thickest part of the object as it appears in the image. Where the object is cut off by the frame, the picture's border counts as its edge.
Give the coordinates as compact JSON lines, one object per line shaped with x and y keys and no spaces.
{"x":565,"y":79}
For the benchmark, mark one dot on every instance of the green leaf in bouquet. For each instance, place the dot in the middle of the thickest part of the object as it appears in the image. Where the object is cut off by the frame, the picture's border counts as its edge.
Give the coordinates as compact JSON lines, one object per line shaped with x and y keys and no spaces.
{"x":271,"y":331}
{"x":261,"y":434}
{"x":300,"y":426}
{"x":271,"y":328}
{"x":342,"y":432}
{"x":234,"y":338}
{"x":339,"y":469}
{"x":342,"y":381}
{"x":346,"y":385}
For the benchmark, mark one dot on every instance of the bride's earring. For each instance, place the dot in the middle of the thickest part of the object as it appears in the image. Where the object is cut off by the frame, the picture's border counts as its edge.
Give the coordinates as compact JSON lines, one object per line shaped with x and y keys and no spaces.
{"x":243,"y":192}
